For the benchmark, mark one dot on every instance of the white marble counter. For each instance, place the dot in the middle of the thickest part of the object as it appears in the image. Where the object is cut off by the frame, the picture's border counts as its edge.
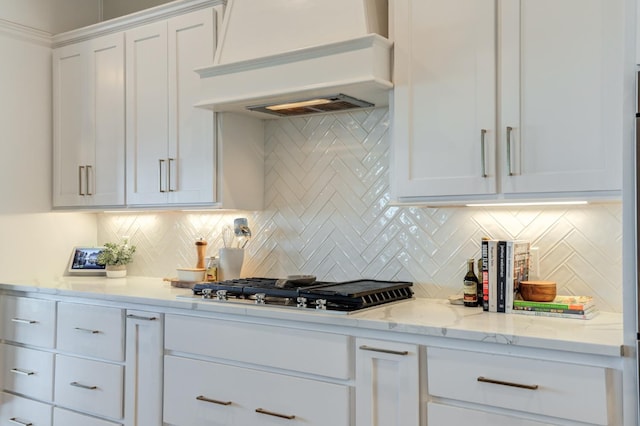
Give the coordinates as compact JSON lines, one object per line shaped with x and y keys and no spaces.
{"x":601,"y":335}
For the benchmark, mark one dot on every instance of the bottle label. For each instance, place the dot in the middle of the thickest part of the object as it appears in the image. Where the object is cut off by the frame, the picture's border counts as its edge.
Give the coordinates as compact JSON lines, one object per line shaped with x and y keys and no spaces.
{"x":470,"y":291}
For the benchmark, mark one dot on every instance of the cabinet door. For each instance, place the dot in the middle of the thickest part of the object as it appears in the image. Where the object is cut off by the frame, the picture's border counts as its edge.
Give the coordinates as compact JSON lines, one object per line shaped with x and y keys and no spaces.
{"x":105,"y":156}
{"x":70,"y":120}
{"x":147,"y":114}
{"x":562,"y":95}
{"x":63,"y":417}
{"x":89,"y":123}
{"x":143,"y":371}
{"x":191,"y":162}
{"x":387,"y":384}
{"x":444,"y":135}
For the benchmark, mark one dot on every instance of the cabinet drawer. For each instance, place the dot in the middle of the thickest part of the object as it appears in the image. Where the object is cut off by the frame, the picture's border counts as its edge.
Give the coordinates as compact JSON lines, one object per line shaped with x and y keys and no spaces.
{"x":200,"y":392}
{"x":63,"y":417}
{"x":28,"y":321}
{"x":91,"y":330}
{"x":90,"y":386}
{"x":27,"y":371}
{"x":15,"y":410}
{"x":570,"y":391}
{"x":445,"y":415}
{"x":312,"y":352}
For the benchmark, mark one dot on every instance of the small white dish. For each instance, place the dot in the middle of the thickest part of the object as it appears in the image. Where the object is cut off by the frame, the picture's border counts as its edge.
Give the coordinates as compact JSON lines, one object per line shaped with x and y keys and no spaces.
{"x":191,"y":274}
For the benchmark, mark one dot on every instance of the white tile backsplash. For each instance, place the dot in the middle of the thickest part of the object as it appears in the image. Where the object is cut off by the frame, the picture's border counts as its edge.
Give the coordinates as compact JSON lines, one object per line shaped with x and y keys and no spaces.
{"x":327,"y":213}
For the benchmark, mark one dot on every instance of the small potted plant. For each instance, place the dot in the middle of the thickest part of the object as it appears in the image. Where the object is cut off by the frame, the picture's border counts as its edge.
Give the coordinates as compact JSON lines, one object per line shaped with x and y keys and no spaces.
{"x":116,"y":257}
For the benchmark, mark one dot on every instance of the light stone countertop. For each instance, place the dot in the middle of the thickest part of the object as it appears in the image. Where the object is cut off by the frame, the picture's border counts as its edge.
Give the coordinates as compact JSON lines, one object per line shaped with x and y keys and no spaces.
{"x":601,"y":335}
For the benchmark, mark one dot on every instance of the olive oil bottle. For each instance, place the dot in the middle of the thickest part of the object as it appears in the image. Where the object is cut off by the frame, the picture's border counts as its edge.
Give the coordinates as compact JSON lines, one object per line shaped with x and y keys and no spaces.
{"x":470,"y":289}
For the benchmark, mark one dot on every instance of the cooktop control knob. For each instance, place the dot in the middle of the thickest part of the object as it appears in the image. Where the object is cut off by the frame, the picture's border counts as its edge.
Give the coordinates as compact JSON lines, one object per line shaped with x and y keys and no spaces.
{"x":321,"y":304}
{"x":206,"y":293}
{"x":221,"y":295}
{"x":261,"y":298}
{"x":302,"y":302}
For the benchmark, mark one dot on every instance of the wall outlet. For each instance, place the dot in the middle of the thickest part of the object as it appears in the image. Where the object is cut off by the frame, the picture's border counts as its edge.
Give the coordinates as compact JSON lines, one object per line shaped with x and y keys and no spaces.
{"x":534,"y":263}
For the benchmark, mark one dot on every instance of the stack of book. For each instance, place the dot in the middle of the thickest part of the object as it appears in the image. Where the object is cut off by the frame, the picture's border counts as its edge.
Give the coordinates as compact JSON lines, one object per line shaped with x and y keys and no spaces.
{"x":575,"y":307}
{"x":504,"y":264}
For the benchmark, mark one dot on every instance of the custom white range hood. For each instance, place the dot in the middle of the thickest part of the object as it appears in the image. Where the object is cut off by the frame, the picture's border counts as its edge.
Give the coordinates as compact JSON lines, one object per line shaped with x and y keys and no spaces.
{"x":330,"y":54}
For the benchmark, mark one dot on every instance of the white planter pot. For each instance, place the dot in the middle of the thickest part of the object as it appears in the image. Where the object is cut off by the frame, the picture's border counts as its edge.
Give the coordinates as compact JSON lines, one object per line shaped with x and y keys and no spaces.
{"x":116,"y":271}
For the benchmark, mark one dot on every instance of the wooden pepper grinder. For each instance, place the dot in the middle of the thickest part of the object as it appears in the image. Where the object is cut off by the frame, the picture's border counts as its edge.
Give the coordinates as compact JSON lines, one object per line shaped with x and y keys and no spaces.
{"x":201,"y":247}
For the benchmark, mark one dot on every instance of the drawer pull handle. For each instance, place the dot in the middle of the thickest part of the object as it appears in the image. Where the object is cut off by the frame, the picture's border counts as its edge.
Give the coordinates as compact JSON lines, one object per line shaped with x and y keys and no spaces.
{"x":87,"y":330}
{"x":140,"y":317}
{"x":500,"y":382}
{"x":384,"y":351}
{"x":271,"y":413}
{"x":213,"y":401}
{"x":80,"y":385}
{"x":20,"y":422}
{"x":24,"y":321}
{"x":22,"y":372}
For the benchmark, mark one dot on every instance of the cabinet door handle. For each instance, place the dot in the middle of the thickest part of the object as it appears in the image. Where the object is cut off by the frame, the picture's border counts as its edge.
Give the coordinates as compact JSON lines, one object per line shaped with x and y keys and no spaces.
{"x":23,"y":321}
{"x":88,"y":169}
{"x":384,"y":351}
{"x":509,"y":130}
{"x":483,"y":132}
{"x":20,"y":422}
{"x":171,"y":160}
{"x":140,"y":317}
{"x":22,"y":372}
{"x":80,"y":173}
{"x":160,"y":163}
{"x":80,"y":385}
{"x":213,"y":401}
{"x":271,"y":413}
{"x":512,"y":384}
{"x":87,"y":330}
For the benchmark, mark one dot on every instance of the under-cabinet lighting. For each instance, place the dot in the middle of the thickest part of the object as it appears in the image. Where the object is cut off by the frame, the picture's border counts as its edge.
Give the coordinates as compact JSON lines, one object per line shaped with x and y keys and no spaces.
{"x":531,"y":203}
{"x":310,"y":102}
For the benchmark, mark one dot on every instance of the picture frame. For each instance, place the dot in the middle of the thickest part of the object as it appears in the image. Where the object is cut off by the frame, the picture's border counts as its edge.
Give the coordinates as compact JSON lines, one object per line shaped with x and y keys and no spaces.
{"x":83,"y":261}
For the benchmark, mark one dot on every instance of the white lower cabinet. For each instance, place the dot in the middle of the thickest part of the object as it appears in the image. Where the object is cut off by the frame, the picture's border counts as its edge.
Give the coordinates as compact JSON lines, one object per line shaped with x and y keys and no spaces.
{"x":15,"y":411}
{"x":27,"y":372}
{"x":562,"y":390}
{"x":199,"y":393}
{"x":446,"y":415}
{"x":90,"y":386}
{"x":387,"y":383}
{"x":62,"y":417}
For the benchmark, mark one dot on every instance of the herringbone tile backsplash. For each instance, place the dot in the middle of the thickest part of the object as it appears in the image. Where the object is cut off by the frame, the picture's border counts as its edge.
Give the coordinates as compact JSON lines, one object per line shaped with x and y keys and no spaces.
{"x":327,"y":213}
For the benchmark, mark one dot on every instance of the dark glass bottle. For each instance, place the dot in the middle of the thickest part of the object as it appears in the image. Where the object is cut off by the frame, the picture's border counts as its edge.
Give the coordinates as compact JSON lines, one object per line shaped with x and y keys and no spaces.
{"x":470,"y":289}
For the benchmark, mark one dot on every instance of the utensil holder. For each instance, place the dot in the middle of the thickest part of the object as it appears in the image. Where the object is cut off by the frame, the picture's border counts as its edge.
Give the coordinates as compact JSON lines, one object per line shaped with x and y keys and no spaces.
{"x":230,"y":263}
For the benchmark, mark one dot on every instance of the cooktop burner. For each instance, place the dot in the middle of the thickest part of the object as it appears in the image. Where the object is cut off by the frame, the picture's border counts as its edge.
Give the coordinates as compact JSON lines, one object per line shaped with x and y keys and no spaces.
{"x":335,"y":296}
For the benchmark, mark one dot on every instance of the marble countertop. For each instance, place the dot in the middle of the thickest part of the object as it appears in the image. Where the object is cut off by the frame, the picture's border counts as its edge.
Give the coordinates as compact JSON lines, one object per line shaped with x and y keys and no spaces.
{"x":601,"y":335}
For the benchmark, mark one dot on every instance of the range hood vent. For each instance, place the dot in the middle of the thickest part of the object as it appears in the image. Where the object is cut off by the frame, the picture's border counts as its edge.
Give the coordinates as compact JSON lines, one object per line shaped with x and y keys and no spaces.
{"x":331,"y":55}
{"x":334,"y":103}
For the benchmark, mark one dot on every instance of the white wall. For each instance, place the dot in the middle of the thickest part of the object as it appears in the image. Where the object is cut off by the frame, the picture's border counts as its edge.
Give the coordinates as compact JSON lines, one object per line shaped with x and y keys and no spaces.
{"x":52,"y":16}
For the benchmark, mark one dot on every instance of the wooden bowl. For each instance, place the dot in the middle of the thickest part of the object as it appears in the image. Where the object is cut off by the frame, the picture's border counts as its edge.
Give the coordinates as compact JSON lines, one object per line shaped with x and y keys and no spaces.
{"x":538,"y":291}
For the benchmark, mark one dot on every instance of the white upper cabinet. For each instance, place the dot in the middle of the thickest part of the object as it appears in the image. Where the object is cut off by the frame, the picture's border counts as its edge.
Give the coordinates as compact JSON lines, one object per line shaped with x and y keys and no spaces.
{"x":507,"y":99}
{"x":170,"y":144}
{"x":89,"y":136}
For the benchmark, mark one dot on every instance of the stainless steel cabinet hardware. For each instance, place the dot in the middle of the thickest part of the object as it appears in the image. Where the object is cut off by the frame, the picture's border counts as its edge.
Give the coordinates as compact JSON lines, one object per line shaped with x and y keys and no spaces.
{"x":80,"y":385}
{"x":509,"y":130}
{"x":80,"y":173}
{"x":271,"y":413}
{"x":171,"y":160}
{"x":500,"y":382}
{"x":160,"y":163}
{"x":22,"y":372}
{"x":20,"y":422}
{"x":384,"y":351}
{"x":23,"y":321}
{"x":213,"y":401}
{"x":87,"y":330}
{"x":86,"y":176}
{"x":140,"y":317}
{"x":483,"y":132}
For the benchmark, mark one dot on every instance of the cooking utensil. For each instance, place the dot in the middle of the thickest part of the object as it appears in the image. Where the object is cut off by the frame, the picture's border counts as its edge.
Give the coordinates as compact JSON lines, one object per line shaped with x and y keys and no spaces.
{"x":241,"y":230}
{"x":227,"y":236}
